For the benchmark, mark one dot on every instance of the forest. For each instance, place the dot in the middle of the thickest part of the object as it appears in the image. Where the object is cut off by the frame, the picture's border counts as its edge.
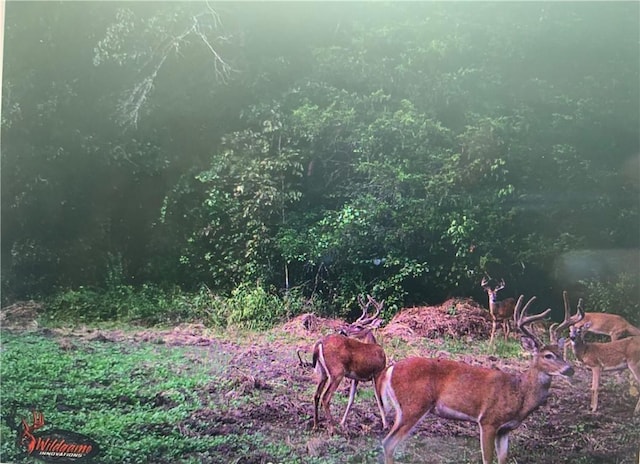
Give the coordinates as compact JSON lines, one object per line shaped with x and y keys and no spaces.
{"x":160,"y":159}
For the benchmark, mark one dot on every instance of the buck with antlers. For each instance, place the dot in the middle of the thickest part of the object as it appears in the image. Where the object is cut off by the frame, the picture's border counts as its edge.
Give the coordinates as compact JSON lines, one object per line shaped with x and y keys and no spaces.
{"x":556,"y":328}
{"x":354,"y":354}
{"x":612,"y":356}
{"x":501,"y":311}
{"x":613,"y":325}
{"x":497,"y":401}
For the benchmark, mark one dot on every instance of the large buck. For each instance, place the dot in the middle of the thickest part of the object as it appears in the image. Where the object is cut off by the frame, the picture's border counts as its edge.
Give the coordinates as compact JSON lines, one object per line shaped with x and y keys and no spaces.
{"x":612,"y":356}
{"x":354,"y":354}
{"x":497,"y":401}
{"x":501,"y":311}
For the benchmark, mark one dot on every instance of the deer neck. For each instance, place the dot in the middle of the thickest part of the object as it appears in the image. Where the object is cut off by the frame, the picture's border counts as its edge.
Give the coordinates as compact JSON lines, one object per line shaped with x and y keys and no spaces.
{"x":493,"y":303}
{"x":579,"y":348}
{"x":535,"y":385}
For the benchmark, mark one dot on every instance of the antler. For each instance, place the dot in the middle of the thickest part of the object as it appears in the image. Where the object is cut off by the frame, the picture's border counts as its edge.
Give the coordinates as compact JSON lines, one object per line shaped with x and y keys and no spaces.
{"x":500,"y":286}
{"x":485,"y":282}
{"x":365,"y":320}
{"x":522,"y":320}
{"x":568,"y":321}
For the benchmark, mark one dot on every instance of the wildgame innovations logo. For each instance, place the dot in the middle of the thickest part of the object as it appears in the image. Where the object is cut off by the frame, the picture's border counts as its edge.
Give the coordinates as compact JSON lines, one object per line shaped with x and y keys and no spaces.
{"x":58,"y":446}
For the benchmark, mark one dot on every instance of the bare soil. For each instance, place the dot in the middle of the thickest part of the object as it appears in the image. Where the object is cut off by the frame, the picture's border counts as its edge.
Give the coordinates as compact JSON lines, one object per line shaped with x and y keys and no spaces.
{"x":266,"y":373}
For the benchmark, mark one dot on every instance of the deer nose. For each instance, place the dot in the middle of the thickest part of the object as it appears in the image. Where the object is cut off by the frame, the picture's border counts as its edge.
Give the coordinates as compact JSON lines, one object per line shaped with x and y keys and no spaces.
{"x":568,"y":372}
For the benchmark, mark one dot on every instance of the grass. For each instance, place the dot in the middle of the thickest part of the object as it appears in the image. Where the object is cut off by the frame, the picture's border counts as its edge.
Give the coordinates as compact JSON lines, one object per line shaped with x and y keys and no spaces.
{"x":146,"y":402}
{"x":124,"y":397}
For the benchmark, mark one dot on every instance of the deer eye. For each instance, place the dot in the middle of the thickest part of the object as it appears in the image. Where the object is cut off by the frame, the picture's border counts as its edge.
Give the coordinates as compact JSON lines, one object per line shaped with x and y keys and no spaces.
{"x":549,"y":356}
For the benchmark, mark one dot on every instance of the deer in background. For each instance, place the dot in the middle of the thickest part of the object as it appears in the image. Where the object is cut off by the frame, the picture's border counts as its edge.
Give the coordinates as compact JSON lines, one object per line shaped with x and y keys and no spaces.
{"x":612,"y":325}
{"x":354,"y":354}
{"x":497,"y":401}
{"x":612,"y":356}
{"x":501,"y":311}
{"x":556,"y":328}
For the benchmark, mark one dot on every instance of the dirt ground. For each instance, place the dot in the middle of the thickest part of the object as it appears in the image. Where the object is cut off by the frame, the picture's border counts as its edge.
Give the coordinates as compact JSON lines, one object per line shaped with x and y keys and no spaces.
{"x":561,"y":431}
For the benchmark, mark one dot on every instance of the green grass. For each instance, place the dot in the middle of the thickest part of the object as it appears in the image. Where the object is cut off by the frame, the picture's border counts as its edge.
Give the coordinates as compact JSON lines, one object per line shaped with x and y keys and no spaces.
{"x":104,"y":390}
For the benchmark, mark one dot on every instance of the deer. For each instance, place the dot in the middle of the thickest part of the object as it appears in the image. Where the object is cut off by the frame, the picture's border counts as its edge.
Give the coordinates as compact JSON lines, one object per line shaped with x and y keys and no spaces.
{"x":497,"y":401}
{"x":363,"y":327}
{"x":556,"y":328}
{"x":501,"y":311}
{"x":613,"y":325}
{"x":612,"y":356}
{"x":354,"y":354}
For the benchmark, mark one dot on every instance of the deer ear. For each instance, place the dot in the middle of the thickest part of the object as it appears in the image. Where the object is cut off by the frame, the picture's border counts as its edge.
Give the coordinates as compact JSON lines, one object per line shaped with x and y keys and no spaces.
{"x":528,"y":344}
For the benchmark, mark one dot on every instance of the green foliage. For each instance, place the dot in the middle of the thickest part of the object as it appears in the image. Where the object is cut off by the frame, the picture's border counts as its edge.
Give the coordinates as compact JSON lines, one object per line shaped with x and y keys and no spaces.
{"x":252,"y":307}
{"x":412,"y":149}
{"x":617,"y":295}
{"x":249,"y":306}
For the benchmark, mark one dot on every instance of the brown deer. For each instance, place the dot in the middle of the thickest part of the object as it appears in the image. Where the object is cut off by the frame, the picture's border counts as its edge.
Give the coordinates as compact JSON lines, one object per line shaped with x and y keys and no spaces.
{"x":363,"y":327}
{"x":612,"y":356}
{"x":337,"y":356}
{"x":556,"y":328}
{"x":497,"y":401}
{"x":354,"y":354}
{"x":501,"y":311}
{"x":613,"y":325}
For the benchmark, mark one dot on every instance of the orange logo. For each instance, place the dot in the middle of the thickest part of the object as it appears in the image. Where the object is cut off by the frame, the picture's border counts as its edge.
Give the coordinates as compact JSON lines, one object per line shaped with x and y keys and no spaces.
{"x":55,"y":445}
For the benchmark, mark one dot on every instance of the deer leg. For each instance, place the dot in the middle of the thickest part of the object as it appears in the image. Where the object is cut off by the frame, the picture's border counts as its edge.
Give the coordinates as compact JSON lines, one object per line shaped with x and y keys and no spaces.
{"x":502,"y":446}
{"x":506,"y":328}
{"x":325,"y":398}
{"x":594,"y":388}
{"x":493,"y":331}
{"x":487,"y":442}
{"x":376,"y":391}
{"x":316,"y":398}
{"x":352,"y":394}
{"x":399,"y":432}
{"x":635,"y":371}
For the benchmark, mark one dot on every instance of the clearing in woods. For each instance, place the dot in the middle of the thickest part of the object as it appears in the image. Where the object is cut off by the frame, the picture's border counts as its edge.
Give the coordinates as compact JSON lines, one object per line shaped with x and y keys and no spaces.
{"x":267,"y":394}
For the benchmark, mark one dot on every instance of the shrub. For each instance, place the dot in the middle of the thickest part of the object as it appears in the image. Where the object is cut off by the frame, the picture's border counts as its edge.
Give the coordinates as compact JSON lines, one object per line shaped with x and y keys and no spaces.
{"x":618,"y":295}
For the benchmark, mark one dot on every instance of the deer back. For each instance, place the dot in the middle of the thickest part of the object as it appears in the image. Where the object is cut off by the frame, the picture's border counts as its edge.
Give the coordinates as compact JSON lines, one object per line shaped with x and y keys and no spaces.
{"x":608,"y":324}
{"x":610,"y":355}
{"x":350,"y":357}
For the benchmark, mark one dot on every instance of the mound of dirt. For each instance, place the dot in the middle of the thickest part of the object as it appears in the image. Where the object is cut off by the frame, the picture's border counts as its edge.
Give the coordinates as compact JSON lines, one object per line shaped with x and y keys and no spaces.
{"x":456,"y":317}
{"x":310,"y":324}
{"x":21,"y":315}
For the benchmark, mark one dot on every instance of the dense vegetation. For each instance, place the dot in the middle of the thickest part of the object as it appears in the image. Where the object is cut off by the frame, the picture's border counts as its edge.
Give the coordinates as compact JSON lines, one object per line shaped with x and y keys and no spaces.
{"x":164,"y":159}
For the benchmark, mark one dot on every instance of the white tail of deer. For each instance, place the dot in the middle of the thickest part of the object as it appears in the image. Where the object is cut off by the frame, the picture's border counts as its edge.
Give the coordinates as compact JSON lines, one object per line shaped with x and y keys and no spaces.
{"x":501,"y":311}
{"x":497,"y":401}
{"x":354,"y":354}
{"x":615,"y":355}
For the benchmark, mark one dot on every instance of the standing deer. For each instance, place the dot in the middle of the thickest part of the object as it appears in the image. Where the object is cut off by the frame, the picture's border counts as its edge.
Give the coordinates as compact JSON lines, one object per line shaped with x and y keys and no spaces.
{"x":497,"y":401}
{"x":501,"y":311}
{"x":354,"y":354}
{"x":556,"y":328}
{"x":613,"y":325}
{"x":612,"y":356}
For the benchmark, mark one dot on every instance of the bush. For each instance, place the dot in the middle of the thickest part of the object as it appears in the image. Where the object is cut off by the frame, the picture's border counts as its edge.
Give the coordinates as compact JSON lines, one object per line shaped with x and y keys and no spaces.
{"x":618,"y":295}
{"x":249,"y":306}
{"x":253,"y":307}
